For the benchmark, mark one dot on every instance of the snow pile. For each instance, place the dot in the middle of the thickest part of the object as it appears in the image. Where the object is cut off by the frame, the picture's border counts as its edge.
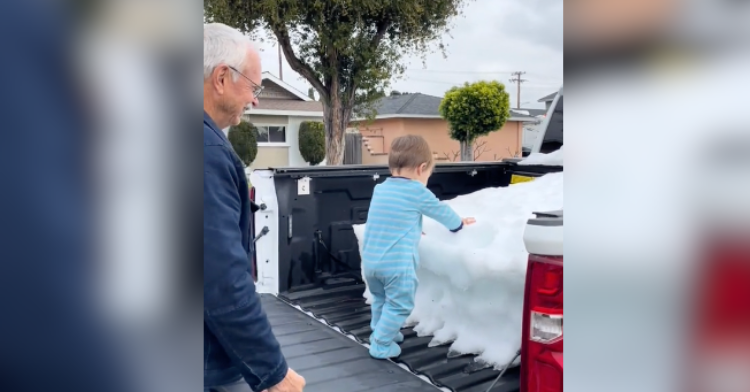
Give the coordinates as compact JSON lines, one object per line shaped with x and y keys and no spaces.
{"x":554,"y":158}
{"x":471,"y":282}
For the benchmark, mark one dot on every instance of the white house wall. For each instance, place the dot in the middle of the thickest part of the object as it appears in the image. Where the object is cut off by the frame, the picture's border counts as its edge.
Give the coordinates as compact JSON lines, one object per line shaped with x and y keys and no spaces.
{"x":271,"y":156}
{"x":280,"y":151}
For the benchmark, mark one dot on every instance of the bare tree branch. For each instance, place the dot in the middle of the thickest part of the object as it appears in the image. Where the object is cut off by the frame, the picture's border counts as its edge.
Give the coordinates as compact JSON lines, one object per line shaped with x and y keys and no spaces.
{"x":454,"y":157}
{"x":282,"y":35}
{"x":480,"y":148}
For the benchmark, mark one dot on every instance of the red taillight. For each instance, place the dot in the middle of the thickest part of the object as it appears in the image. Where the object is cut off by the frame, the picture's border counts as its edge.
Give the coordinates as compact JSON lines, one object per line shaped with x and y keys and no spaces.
{"x":722,"y":328}
{"x":542,"y":345}
{"x":252,"y":234}
{"x":724,"y":295}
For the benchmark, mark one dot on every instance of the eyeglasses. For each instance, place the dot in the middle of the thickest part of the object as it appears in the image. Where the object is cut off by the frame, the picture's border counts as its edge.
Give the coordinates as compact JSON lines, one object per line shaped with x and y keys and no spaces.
{"x":257,"y":89}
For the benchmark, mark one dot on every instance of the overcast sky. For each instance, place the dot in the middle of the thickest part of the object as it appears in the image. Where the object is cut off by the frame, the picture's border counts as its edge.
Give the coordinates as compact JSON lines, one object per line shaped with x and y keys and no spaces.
{"x":493,"y":39}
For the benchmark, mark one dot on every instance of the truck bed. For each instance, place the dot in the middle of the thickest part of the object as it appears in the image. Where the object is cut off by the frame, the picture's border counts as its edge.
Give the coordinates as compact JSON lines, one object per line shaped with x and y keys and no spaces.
{"x":330,"y":361}
{"x":310,"y":255}
{"x":344,"y":307}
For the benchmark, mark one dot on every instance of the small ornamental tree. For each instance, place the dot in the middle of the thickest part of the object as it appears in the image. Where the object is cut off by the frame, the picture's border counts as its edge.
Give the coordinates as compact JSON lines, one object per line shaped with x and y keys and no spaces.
{"x":244,"y":141}
{"x":312,"y":142}
{"x":475,"y":110}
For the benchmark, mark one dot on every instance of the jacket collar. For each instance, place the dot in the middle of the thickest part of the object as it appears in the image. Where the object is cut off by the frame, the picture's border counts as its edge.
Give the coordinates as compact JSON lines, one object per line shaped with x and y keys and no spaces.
{"x":211,"y":124}
{"x":209,"y":121}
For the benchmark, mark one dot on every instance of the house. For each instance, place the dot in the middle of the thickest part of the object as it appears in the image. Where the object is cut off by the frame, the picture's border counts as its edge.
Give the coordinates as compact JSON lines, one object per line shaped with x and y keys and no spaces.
{"x":531,"y":130}
{"x":547,"y":99}
{"x":281,"y":110}
{"x":418,"y":114}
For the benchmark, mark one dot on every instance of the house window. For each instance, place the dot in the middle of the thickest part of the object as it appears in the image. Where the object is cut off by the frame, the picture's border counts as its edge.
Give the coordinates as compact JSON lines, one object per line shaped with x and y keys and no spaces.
{"x":271,"y":134}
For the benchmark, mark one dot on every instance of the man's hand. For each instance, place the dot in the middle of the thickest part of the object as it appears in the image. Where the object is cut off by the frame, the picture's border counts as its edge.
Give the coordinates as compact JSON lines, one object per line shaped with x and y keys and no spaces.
{"x":468,"y":221}
{"x":293,"y":382}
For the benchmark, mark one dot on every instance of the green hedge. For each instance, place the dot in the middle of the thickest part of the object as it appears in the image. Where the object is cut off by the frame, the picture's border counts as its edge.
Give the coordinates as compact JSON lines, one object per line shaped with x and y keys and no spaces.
{"x":312,"y":142}
{"x":244,"y":141}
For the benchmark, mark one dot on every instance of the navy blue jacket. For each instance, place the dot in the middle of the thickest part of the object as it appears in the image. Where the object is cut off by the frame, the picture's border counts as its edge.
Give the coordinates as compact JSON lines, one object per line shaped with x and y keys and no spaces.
{"x":238,"y":341}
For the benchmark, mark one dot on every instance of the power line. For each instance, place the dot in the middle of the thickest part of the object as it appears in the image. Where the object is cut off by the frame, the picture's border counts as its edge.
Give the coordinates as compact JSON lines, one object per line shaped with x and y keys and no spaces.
{"x":458,"y":72}
{"x":434,"y":81}
{"x":437,"y":71}
{"x":539,"y":85}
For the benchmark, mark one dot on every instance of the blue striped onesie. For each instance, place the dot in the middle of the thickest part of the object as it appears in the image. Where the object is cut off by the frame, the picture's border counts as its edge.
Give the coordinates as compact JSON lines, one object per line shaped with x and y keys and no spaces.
{"x":390,"y":255}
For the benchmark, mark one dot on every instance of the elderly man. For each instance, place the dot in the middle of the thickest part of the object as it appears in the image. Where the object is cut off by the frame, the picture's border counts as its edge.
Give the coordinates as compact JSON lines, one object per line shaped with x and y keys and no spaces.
{"x":238,"y":341}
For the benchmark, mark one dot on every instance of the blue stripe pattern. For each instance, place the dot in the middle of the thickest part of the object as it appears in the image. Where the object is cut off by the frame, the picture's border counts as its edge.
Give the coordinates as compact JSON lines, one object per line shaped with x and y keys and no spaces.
{"x":390,"y":254}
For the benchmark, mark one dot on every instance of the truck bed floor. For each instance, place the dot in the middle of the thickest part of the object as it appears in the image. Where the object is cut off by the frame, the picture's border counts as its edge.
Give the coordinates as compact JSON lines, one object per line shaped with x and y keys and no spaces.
{"x":344,"y":307}
{"x":330,"y":361}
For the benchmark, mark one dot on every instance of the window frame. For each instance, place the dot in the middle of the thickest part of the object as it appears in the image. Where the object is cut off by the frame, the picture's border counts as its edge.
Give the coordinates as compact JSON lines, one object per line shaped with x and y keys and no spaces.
{"x":275,"y":144}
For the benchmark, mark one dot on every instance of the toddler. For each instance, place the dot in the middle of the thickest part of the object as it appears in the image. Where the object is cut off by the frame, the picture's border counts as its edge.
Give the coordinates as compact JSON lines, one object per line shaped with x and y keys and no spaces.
{"x":394,"y":227}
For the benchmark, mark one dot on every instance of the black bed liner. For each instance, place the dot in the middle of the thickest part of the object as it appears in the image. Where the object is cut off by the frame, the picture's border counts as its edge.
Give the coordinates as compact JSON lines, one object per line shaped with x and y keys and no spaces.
{"x":319,"y":261}
{"x":344,"y":307}
{"x":330,"y":361}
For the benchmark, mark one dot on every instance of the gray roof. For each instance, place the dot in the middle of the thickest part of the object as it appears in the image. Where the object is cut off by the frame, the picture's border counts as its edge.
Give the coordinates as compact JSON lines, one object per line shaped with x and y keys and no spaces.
{"x":549,"y":97}
{"x":535,"y":112}
{"x":411,"y":104}
{"x":416,"y":104}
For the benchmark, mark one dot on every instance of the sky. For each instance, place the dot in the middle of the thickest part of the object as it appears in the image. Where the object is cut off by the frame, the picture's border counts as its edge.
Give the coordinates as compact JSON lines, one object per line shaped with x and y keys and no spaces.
{"x":490,"y":41}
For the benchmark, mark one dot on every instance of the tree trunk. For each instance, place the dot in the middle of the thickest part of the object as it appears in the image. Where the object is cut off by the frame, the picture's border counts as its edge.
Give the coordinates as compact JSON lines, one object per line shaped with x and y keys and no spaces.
{"x":467,"y":154}
{"x":335,"y":144}
{"x":335,"y":119}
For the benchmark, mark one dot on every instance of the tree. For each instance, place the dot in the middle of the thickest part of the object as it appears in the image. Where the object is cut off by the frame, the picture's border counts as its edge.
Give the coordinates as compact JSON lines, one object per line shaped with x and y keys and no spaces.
{"x":348,"y":50}
{"x":312,"y":142}
{"x":243,"y":138}
{"x":475,"y":110}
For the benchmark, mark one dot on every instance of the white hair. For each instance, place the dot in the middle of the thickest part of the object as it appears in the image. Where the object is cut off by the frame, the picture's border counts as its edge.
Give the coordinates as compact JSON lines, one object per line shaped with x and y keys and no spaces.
{"x":223,"y":45}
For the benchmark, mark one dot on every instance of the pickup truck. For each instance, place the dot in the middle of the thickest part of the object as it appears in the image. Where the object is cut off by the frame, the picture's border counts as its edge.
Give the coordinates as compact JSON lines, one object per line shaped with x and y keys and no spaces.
{"x":307,"y":269}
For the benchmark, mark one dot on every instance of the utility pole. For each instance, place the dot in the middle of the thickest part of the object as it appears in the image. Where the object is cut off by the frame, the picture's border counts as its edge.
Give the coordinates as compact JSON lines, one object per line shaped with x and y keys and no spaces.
{"x":281,"y":74}
{"x":517,"y":80}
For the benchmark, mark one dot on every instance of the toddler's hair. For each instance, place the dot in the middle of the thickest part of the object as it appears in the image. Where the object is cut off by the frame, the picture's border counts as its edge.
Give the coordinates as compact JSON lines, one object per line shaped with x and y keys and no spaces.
{"x":409,"y":152}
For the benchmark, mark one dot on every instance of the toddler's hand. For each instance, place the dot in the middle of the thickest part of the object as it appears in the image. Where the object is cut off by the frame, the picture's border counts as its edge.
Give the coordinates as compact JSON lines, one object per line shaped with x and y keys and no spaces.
{"x":468,"y":221}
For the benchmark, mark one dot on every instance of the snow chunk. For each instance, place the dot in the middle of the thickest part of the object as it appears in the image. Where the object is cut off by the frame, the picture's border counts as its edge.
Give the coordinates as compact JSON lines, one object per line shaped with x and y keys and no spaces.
{"x":555,"y":158}
{"x":471,"y":282}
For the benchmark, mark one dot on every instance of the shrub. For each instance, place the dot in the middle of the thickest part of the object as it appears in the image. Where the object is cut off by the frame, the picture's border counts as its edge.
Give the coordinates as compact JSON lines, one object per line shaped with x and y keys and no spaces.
{"x":244,"y":141}
{"x":312,"y":142}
